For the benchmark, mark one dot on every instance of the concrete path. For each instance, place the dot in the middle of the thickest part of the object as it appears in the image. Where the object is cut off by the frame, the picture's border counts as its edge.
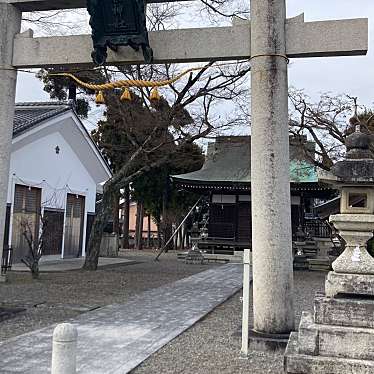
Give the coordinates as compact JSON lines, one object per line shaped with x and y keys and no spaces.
{"x":54,"y":263}
{"x":117,"y":338}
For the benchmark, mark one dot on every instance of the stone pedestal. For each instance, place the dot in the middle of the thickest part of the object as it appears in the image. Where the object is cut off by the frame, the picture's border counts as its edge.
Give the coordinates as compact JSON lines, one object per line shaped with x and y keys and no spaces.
{"x":339,"y":336}
{"x":300,"y":261}
{"x":194,"y":256}
{"x":356,"y":230}
{"x":109,"y":245}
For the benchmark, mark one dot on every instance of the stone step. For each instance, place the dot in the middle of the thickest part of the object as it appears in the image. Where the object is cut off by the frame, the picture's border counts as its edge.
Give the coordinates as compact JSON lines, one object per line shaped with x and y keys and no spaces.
{"x":319,"y":264}
{"x":235,"y":258}
{"x":298,"y":363}
{"x":344,"y":311}
{"x":319,"y":268}
{"x":223,"y":258}
{"x":301,"y":266}
{"x":335,"y":341}
{"x":319,"y":261}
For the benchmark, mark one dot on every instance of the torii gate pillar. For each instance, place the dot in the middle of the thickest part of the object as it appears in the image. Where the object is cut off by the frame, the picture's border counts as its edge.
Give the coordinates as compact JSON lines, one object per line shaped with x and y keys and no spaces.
{"x":10,"y":25}
{"x":270,"y":185}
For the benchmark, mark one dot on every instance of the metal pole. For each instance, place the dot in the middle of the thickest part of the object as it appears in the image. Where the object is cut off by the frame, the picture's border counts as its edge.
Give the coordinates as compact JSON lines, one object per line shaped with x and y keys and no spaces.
{"x":175,"y":232}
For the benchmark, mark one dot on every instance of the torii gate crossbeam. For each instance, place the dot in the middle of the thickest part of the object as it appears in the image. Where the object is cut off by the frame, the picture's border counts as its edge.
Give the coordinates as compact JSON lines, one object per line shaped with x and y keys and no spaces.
{"x":341,"y":38}
{"x":42,"y":5}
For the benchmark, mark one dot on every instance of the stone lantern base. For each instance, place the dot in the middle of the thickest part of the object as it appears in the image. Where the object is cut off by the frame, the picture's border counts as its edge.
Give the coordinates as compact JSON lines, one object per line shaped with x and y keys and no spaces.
{"x":339,"y":336}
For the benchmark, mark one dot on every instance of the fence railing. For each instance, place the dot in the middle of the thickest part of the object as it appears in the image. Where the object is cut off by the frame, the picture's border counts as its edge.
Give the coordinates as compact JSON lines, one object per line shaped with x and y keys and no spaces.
{"x":317,"y":228}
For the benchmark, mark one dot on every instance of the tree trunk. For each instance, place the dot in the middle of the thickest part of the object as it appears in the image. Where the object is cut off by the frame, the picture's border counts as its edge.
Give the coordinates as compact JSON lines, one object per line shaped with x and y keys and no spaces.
{"x":159,"y":238}
{"x":35,"y":270}
{"x":136,"y":233}
{"x":126,"y":218}
{"x":103,"y":214}
{"x":149,"y":232}
{"x":166,"y":226}
{"x":183,"y":240}
{"x":139,"y":225}
{"x":167,"y":233}
{"x":116,"y":213}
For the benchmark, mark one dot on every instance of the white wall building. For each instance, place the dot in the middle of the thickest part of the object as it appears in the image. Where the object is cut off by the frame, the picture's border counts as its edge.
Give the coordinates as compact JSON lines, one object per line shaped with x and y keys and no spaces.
{"x":56,"y":170}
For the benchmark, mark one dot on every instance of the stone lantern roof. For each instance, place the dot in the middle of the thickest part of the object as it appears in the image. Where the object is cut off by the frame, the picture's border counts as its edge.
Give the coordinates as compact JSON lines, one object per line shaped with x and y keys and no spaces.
{"x":358,"y":164}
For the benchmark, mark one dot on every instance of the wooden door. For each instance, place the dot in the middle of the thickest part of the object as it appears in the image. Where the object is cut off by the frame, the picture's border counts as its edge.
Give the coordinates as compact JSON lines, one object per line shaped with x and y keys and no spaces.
{"x":26,"y":211}
{"x":244,"y":227}
{"x":295,"y":219}
{"x":53,"y":234}
{"x":222,"y":221}
{"x":74,"y":221}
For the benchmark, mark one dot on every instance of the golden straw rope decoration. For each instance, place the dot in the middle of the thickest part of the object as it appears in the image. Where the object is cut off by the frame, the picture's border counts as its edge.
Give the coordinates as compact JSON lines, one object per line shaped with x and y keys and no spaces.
{"x":139,"y":83}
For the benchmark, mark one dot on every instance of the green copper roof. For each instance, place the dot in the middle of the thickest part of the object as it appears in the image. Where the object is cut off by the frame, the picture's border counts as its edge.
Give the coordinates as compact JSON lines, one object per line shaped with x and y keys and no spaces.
{"x":302,"y":172}
{"x":228,"y":160}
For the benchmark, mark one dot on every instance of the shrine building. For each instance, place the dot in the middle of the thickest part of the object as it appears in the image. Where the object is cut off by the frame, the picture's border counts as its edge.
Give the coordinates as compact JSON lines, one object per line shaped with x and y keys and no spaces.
{"x":225,"y":179}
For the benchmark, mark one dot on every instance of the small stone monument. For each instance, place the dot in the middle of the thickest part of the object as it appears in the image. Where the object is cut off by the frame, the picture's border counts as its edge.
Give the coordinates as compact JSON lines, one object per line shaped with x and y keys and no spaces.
{"x":300,"y":261}
{"x":109,"y":245}
{"x":194,"y":255}
{"x":339,"y":337}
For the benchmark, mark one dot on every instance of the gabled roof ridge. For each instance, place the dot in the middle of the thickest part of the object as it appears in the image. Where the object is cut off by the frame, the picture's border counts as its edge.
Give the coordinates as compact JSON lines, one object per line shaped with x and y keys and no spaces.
{"x":43,"y":103}
{"x":32,"y":114}
{"x":28,"y":115}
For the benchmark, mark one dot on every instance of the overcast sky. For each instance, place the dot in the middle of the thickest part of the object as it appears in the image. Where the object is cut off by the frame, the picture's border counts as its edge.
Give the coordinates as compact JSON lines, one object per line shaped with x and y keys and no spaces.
{"x":351,"y":75}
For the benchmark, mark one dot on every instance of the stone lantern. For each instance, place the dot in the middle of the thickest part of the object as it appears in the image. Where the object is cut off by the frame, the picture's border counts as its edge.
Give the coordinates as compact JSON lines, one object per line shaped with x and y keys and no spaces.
{"x":339,"y":336}
{"x":354,"y":176}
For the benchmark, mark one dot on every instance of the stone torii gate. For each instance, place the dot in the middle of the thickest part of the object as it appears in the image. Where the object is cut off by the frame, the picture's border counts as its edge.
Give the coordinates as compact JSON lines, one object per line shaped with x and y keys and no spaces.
{"x":269,"y":40}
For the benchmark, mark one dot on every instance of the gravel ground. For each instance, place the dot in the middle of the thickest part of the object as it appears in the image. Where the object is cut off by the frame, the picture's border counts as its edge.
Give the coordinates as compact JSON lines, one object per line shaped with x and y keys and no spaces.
{"x":212,"y":347}
{"x":56,"y":297}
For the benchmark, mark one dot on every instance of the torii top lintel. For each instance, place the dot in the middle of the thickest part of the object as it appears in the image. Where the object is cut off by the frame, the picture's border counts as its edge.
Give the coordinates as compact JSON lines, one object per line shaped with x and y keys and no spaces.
{"x":41,"y":5}
{"x":303,"y":39}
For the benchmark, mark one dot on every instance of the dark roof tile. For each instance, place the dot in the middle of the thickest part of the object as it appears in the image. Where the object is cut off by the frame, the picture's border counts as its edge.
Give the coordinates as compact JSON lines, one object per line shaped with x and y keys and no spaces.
{"x":28,"y":115}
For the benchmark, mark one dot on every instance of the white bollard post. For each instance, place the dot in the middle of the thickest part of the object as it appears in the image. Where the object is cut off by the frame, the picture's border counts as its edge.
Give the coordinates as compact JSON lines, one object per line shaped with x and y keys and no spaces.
{"x":64,"y":350}
{"x":245,"y":320}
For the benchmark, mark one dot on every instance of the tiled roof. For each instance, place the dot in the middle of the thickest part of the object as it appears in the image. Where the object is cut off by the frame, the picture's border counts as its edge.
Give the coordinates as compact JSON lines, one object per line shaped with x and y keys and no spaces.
{"x":28,"y":115}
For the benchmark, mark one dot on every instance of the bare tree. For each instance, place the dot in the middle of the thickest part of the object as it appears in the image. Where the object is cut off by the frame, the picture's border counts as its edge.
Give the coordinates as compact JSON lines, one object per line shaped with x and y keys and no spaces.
{"x":219,"y":10}
{"x":207,"y":103}
{"x":56,"y":22}
{"x":35,"y":244}
{"x":326,"y":122}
